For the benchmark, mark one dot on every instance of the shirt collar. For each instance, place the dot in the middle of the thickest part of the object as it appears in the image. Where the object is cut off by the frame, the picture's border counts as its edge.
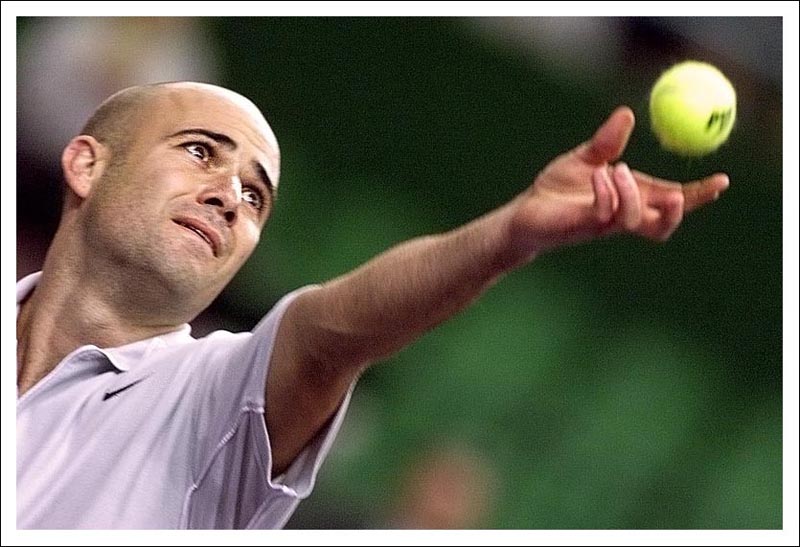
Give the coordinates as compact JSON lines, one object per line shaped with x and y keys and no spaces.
{"x":121,"y":357}
{"x":25,"y":286}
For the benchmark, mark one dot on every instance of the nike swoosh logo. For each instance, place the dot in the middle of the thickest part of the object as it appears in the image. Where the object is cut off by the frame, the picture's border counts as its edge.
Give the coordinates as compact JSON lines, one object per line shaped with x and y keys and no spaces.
{"x":110,"y":394}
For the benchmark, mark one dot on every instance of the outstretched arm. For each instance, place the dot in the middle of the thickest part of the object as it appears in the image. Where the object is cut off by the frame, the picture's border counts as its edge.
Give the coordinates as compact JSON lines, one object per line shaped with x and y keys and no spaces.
{"x":330,"y":334}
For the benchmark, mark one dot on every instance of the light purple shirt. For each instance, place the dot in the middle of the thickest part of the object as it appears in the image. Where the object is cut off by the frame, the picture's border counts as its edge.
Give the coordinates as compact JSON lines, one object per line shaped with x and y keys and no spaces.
{"x":167,"y":432}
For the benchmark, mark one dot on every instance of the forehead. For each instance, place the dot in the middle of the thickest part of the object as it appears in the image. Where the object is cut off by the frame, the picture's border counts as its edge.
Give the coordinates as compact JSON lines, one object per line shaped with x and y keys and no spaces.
{"x":216,"y":110}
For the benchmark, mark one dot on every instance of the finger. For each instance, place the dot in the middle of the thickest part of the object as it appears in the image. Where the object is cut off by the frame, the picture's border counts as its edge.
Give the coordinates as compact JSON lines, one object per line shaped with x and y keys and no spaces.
{"x":610,"y":139}
{"x":663,"y":201}
{"x":655,"y":185}
{"x":630,"y":200}
{"x":693,"y":194}
{"x":698,"y":193}
{"x":603,"y":195}
{"x":659,"y":223}
{"x":651,"y":223}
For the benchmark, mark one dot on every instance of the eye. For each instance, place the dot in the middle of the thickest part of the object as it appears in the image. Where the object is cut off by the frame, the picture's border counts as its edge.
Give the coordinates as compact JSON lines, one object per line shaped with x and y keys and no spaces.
{"x":253,"y":197}
{"x":199,"y":150}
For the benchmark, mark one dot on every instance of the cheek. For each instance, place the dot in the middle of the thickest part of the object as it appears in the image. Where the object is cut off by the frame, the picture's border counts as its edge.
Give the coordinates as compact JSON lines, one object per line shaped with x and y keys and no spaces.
{"x":248,"y":238}
{"x":159,"y":193}
{"x":140,"y":187}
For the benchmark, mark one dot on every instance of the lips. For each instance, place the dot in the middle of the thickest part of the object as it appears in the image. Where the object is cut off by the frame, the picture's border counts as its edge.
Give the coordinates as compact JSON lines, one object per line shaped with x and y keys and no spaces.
{"x":203,"y":230}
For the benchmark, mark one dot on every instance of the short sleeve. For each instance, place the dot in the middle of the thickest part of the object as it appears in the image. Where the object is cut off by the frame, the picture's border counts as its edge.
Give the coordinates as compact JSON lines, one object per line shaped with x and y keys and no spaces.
{"x":234,"y":486}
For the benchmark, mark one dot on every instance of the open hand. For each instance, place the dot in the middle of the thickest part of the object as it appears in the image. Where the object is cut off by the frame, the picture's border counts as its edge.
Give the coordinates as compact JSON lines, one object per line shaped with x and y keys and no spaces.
{"x":581,"y":195}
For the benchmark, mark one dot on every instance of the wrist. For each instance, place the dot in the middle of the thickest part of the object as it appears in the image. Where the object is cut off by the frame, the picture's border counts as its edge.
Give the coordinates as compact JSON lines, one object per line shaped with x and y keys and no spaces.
{"x":511,"y":249}
{"x":522,"y":245}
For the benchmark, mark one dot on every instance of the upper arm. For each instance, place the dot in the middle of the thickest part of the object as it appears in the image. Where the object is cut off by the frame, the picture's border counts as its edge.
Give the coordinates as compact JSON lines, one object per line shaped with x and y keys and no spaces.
{"x":302,"y":392}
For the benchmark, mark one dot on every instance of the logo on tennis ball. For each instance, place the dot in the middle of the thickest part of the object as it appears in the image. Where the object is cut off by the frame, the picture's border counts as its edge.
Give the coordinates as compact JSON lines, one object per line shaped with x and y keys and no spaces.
{"x":692,"y":108}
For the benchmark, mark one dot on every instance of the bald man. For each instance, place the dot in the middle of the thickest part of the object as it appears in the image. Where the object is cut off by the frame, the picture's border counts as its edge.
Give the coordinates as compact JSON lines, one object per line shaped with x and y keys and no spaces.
{"x":124,"y":420}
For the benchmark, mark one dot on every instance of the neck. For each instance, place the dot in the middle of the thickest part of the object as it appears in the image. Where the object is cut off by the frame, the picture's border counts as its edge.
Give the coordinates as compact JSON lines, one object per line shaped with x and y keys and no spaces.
{"x":68,"y":309}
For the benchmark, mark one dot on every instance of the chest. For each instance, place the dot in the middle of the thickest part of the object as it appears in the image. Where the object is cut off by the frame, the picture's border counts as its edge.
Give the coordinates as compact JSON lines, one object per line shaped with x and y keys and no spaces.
{"x":91,"y":437}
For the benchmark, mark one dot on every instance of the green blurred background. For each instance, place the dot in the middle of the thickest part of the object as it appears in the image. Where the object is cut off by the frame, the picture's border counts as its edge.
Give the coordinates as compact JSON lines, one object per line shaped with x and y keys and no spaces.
{"x":620,"y":384}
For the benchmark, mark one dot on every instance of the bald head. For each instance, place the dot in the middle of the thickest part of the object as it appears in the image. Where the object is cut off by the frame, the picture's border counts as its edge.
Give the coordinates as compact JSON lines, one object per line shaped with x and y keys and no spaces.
{"x":121,"y":114}
{"x":117,"y":116}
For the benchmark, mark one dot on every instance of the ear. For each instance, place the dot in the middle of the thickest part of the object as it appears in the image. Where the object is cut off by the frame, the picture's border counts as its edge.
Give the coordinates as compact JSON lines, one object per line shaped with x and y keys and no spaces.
{"x":83,"y":164}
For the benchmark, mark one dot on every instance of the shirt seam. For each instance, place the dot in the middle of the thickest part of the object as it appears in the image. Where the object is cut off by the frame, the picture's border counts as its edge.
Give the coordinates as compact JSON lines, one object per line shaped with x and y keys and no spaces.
{"x":196,"y":483}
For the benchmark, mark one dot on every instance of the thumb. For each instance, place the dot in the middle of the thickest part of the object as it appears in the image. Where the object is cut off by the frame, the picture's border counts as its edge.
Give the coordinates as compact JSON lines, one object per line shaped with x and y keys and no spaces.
{"x":608,"y":142}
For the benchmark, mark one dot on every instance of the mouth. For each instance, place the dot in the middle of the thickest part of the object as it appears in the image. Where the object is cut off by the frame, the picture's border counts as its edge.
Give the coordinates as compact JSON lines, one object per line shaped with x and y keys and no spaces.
{"x":202,"y":231}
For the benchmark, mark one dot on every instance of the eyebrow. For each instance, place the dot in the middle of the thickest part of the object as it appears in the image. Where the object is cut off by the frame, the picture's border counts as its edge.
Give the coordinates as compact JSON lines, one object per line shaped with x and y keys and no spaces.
{"x":230,"y":144}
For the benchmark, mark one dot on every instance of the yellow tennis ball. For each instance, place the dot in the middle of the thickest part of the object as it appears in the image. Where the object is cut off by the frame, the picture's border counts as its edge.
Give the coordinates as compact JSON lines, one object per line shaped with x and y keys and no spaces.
{"x":692,"y":108}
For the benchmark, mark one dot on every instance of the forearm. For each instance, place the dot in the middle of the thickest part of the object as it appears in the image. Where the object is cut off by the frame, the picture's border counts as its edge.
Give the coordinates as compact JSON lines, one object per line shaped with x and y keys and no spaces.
{"x":391,"y":300}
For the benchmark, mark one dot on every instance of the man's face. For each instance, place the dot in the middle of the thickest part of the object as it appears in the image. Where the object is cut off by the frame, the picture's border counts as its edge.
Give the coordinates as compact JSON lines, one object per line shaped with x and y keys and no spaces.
{"x":187,"y":205}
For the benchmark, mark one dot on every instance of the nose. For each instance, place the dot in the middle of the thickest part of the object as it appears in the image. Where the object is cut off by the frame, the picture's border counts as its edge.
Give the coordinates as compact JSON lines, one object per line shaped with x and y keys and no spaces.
{"x":224,"y":195}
